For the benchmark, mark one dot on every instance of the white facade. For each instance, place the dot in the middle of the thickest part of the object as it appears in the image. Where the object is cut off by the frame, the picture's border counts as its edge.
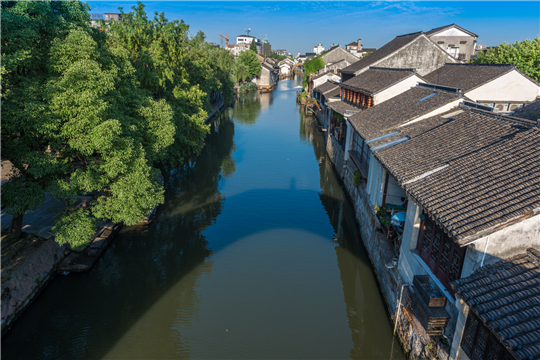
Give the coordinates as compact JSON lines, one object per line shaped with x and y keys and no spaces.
{"x":396,"y":89}
{"x":318,"y":49}
{"x":512,"y":86}
{"x":324,"y":78}
{"x":245,"y":39}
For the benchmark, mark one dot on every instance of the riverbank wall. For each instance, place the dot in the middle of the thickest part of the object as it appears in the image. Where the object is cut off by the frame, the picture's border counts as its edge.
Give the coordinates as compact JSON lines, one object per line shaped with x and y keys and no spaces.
{"x":416,"y":343}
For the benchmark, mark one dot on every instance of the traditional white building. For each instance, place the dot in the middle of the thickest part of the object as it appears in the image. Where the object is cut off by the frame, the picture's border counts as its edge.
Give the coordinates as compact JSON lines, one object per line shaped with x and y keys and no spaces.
{"x":318,"y":49}
{"x":503,"y":87}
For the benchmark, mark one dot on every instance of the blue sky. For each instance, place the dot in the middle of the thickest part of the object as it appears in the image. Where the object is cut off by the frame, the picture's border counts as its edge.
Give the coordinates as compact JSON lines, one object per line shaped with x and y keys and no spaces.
{"x":299,"y":25}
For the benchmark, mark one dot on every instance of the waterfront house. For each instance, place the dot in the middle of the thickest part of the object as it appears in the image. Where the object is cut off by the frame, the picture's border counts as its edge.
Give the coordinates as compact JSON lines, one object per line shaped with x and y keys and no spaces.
{"x":285,"y":67}
{"x":377,"y":85}
{"x":415,"y":50}
{"x":457,"y":41}
{"x":270,"y":61}
{"x":320,"y":79}
{"x":470,"y":187}
{"x":367,"y":126}
{"x":371,"y":88}
{"x":324,"y":94}
{"x":499,"y":310}
{"x":503,"y":87}
{"x":267,"y":79}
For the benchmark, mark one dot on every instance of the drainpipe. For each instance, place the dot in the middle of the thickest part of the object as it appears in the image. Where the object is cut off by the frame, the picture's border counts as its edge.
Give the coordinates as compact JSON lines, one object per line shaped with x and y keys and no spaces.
{"x":485,"y":250}
{"x":399,"y":306}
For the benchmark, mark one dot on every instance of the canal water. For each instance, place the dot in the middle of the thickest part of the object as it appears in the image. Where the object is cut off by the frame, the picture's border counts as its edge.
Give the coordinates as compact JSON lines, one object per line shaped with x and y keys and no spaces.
{"x":255,"y":255}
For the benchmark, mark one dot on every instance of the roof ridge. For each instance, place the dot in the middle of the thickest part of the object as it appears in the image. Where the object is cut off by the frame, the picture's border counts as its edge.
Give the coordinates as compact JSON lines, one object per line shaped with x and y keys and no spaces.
{"x":491,"y":65}
{"x":392,"y":69}
{"x":499,"y":116}
{"x":410,"y":34}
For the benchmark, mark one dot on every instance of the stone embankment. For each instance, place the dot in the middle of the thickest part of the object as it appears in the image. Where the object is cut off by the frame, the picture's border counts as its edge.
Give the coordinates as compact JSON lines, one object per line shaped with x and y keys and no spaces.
{"x":416,"y":343}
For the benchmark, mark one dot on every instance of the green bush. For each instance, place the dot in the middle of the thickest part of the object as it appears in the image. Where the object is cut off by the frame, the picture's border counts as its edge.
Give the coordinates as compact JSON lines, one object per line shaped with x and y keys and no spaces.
{"x":311,"y":66}
{"x":250,"y":86}
{"x":314,"y":65}
{"x":357,"y":177}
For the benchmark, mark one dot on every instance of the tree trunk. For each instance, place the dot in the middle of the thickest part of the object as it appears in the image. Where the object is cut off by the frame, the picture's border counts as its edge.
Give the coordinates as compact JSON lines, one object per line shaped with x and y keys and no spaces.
{"x":16,"y":225}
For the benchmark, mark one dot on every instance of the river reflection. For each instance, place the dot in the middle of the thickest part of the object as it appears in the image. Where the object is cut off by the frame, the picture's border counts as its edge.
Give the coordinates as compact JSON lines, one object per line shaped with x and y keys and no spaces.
{"x":255,"y":254}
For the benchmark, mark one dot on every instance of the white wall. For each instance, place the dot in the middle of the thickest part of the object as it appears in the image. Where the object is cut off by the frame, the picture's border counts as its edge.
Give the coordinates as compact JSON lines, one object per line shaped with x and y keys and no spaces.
{"x":397,"y":89}
{"x":508,"y":242}
{"x":509,"y":87}
{"x":325,"y":78}
{"x":394,"y":192}
{"x":463,"y":310}
{"x":348,"y":138}
{"x":440,"y":110}
{"x":408,"y":266}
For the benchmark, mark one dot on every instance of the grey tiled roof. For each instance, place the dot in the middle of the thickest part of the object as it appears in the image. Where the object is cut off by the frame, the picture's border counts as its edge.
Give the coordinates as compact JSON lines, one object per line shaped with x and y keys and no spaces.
{"x":467,"y":76}
{"x":506,"y":298}
{"x":530,"y":112}
{"x":377,"y":79}
{"x":332,"y":93}
{"x":341,"y":107}
{"x":382,"y":118}
{"x":487,"y":171}
{"x":384,"y":51}
{"x":436,"y":30}
{"x":327,"y":86}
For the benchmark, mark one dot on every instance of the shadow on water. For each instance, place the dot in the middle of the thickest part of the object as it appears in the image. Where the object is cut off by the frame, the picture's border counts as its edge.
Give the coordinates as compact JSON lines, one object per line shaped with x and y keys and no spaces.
{"x":87,"y":315}
{"x":357,"y":276}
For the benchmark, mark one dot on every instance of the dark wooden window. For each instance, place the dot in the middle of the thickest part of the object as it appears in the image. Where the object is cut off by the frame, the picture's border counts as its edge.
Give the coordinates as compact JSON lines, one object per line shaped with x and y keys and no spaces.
{"x":479,"y":343}
{"x":360,"y":154}
{"x":440,"y":253}
{"x":338,"y":128}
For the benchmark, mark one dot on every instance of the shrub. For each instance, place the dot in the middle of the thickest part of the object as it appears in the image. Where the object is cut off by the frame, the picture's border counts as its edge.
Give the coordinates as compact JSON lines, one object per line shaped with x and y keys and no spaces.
{"x":250,"y":86}
{"x":357,"y":178}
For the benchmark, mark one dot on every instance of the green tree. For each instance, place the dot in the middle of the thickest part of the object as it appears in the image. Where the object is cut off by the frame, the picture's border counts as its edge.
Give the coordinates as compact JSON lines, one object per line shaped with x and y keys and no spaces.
{"x":253,"y":46}
{"x":241,"y":71}
{"x":310,"y":67}
{"x":171,"y":68}
{"x":524,"y":54}
{"x":250,"y":60}
{"x":75,"y":121}
{"x":278,"y":57}
{"x":223,"y":64}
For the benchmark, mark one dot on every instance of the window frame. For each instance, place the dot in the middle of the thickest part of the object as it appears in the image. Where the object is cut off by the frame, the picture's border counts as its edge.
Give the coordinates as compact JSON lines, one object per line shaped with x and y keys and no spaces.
{"x":492,"y":349}
{"x":439,"y":252}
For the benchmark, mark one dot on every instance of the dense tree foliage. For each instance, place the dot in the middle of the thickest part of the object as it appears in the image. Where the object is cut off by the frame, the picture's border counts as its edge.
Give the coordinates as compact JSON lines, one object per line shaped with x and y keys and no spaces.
{"x":248,"y":62}
{"x":86,"y":111}
{"x":310,"y":67}
{"x":278,"y":57}
{"x":75,"y":120}
{"x":253,"y":46}
{"x":524,"y":54}
{"x":177,"y":69}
